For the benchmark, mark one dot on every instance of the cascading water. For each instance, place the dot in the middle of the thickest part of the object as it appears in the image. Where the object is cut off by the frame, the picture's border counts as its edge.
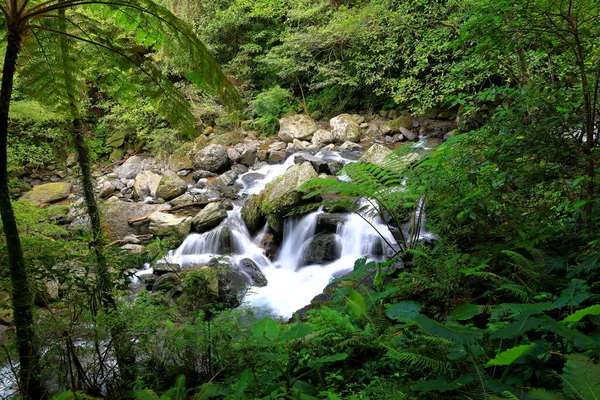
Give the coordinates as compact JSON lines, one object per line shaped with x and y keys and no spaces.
{"x":292,"y":280}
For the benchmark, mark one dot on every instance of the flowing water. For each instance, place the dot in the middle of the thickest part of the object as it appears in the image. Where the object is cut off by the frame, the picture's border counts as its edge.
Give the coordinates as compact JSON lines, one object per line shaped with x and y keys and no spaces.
{"x":292,"y":282}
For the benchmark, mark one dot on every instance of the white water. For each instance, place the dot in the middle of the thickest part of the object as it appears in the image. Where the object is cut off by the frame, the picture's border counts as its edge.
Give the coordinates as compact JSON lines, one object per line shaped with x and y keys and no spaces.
{"x":291,"y":283}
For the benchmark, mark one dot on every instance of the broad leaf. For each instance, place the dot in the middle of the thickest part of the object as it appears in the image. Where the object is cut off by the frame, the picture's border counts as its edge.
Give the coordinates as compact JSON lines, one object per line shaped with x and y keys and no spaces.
{"x":509,"y":356}
{"x":403,"y":310}
{"x":578,"y":315}
{"x":266,"y":328}
{"x":581,"y":378}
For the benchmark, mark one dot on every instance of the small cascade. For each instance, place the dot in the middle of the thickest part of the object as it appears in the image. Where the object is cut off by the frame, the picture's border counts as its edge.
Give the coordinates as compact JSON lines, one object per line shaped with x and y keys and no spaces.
{"x":297,"y":233}
{"x":198,"y":248}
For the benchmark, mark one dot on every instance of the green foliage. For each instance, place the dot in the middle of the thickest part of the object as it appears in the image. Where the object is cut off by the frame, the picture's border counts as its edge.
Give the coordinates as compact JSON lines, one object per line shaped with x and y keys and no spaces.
{"x":268,"y":106}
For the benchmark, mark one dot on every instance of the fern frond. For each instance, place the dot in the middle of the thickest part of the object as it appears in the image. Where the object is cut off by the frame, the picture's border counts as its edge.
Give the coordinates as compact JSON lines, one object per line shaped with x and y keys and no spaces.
{"x":418,"y":361}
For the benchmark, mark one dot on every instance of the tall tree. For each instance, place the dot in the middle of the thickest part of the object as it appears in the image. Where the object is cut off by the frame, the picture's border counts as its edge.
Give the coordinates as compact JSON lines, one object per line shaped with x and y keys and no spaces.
{"x":32,"y":28}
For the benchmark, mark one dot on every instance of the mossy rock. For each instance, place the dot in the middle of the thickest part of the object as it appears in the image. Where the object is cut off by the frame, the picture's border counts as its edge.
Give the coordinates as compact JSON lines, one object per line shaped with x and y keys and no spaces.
{"x":48,"y":193}
{"x":252,"y":214}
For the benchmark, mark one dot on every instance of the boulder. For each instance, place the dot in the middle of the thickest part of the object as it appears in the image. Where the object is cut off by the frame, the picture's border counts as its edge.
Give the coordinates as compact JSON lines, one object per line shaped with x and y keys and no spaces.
{"x":183,"y":199}
{"x":252,"y":214}
{"x":225,"y":179}
{"x":130,"y":168}
{"x":116,"y":214}
{"x":170,"y":186}
{"x":322,"y":249}
{"x":345,"y":129}
{"x":212,"y":158}
{"x":329,"y":222}
{"x":322,"y":137}
{"x":145,"y":185}
{"x":180,"y":160}
{"x":234,"y":155}
{"x":106,"y":190}
{"x":210,"y":217}
{"x":250,"y":268}
{"x":270,"y":244}
{"x":408,"y":134}
{"x":282,"y":196}
{"x":48,"y":193}
{"x":350,"y":146}
{"x":276,"y":156}
{"x":201,"y":174}
{"x":298,"y":127}
{"x":249,"y":156}
{"x":392,"y":127}
{"x":164,"y":224}
{"x":375,"y":155}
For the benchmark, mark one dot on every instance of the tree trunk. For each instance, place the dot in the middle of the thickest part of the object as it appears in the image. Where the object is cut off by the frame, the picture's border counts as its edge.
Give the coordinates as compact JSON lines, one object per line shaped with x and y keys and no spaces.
{"x":123,"y":348}
{"x":22,"y":299}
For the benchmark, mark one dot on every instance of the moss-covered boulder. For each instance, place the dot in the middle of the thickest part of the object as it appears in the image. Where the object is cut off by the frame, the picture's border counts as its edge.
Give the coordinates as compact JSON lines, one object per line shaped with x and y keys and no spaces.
{"x":392,"y":127}
{"x":48,"y":193}
{"x":282,"y":196}
{"x":169,"y":225}
{"x":252,"y":214}
{"x":210,"y":217}
{"x":170,"y":186}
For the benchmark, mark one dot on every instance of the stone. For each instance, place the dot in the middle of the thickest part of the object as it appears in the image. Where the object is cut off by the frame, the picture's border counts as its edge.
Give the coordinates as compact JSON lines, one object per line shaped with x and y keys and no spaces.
{"x":408,"y":134}
{"x":130,"y":168}
{"x":322,"y":137}
{"x":283,"y":195}
{"x":252,"y":214}
{"x":249,"y":156}
{"x":345,"y":129}
{"x":116,"y":213}
{"x":376,"y":154}
{"x":212,"y":158}
{"x":201,"y":174}
{"x":165,"y":282}
{"x":358,"y":118}
{"x":180,"y":160}
{"x":183,"y":199}
{"x":169,"y":225}
{"x":276,"y":157}
{"x":322,"y":249}
{"x":106,"y":190}
{"x":145,"y":185}
{"x":250,"y":268}
{"x":449,"y":135}
{"x":392,"y":127}
{"x":118,"y":185}
{"x":239,"y":169}
{"x":298,"y":127}
{"x":432,"y":143}
{"x":270,"y":244}
{"x":134,"y":248}
{"x":234,"y":155}
{"x":300,"y":145}
{"x":364,"y":125}
{"x":131,"y":239}
{"x":329,"y":222}
{"x":226,"y":179}
{"x":170,"y":186}
{"x":48,"y":193}
{"x":209,"y":217}
{"x":350,"y":146}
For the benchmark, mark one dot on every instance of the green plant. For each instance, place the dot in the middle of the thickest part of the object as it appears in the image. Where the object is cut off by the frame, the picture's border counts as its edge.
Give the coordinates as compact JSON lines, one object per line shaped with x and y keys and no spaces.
{"x":268,"y":106}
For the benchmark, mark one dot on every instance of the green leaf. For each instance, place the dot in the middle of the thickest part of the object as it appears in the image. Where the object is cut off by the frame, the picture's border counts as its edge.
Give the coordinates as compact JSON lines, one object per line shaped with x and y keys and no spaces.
{"x":403,"y":310}
{"x":575,"y":293}
{"x":541,"y":394}
{"x":333,"y":358}
{"x":442,"y":385}
{"x":509,"y":356}
{"x":455,"y":333}
{"x":297,"y":331}
{"x":464,"y":312}
{"x":356,"y":304}
{"x":242,"y":383}
{"x":581,"y":378}
{"x":578,"y":315}
{"x":266,"y":328}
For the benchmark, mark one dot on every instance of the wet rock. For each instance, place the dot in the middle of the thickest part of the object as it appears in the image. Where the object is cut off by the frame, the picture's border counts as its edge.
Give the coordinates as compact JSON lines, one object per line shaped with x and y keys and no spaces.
{"x":210,"y":217}
{"x":345,"y":129}
{"x":130,"y":168}
{"x":249,"y":156}
{"x":270,"y":244}
{"x":160,"y":269}
{"x":116,"y":214}
{"x":239,"y":169}
{"x":408,"y":134}
{"x":226,"y":179}
{"x":212,"y":158}
{"x":329,"y":222}
{"x":145,"y":185}
{"x":183,"y":199}
{"x":276,"y":157}
{"x":170,"y":186}
{"x":201,"y":174}
{"x":169,"y":225}
{"x":322,"y":249}
{"x":48,"y":193}
{"x":298,"y":127}
{"x":234,"y":155}
{"x":106,"y":190}
{"x":252,"y":214}
{"x":392,"y":127}
{"x":350,"y":146}
{"x":250,"y":267}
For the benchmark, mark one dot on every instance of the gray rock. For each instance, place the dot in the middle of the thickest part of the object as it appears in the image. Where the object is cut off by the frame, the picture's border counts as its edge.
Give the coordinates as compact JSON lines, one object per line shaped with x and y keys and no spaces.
{"x":276,"y":156}
{"x":298,"y":127}
{"x":183,"y":199}
{"x":169,"y":225}
{"x":250,"y":268}
{"x":209,"y":217}
{"x":130,"y":168}
{"x":239,"y":169}
{"x":375,"y":155}
{"x":350,"y":146}
{"x":322,"y":249}
{"x":131,"y":239}
{"x":226,"y":179}
{"x":201,"y":174}
{"x":117,"y":184}
{"x":249,"y":156}
{"x":170,"y":186}
{"x":392,"y":127}
{"x":161,"y":268}
{"x":234,"y":155}
{"x":212,"y":158}
{"x":145,"y":185}
{"x":322,"y":137}
{"x":133,"y":248}
{"x":116,"y":213}
{"x":329,"y":222}
{"x":345,"y":129}
{"x":165,"y":282}
{"x":408,"y":134}
{"x":107,"y":190}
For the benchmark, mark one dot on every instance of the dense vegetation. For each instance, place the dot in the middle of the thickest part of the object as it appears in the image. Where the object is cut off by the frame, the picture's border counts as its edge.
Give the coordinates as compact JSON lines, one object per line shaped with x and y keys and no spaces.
{"x":504,"y":304}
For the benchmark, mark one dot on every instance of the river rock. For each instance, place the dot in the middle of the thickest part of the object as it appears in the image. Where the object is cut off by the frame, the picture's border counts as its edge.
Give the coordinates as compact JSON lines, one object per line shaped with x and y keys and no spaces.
{"x":226,"y":179}
{"x":375,"y":155}
{"x":145,"y":185}
{"x":164,"y":224}
{"x":170,"y":186}
{"x":252,"y":214}
{"x":117,"y":212}
{"x":250,"y":267}
{"x":212,"y":158}
{"x":345,"y":129}
{"x":350,"y":146}
{"x":322,"y":249}
{"x":183,"y":199}
{"x":48,"y":193}
{"x":106,"y":190}
{"x":408,"y":134}
{"x":165,"y":282}
{"x":392,"y":127}
{"x":276,"y":156}
{"x":209,"y":217}
{"x":270,"y":244}
{"x":130,"y":168}
{"x":282,"y":196}
{"x":322,"y":137}
{"x":249,"y":156}
{"x":202,"y":174}
{"x":233,"y":154}
{"x":329,"y":222}
{"x":298,"y":127}
{"x":239,"y":169}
